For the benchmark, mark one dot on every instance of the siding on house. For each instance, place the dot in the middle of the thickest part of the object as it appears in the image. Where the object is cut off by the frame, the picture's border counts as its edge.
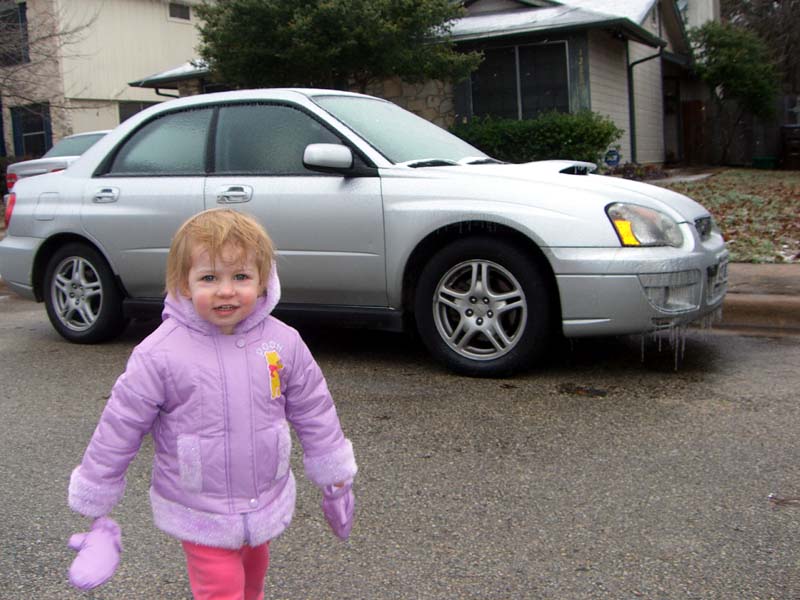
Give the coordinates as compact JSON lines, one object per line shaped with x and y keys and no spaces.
{"x":649,"y":107}
{"x":608,"y":84}
{"x":648,"y":96}
{"x":128,"y":40}
{"x":699,"y":12}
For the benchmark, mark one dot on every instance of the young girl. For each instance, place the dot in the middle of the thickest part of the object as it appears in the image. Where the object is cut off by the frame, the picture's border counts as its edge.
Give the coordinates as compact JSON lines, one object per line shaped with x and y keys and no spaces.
{"x":217,"y":384}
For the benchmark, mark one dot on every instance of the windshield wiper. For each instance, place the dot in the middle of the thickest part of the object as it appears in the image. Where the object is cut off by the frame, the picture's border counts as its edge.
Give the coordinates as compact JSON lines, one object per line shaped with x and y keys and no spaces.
{"x":431,"y":162}
{"x":480,"y":161}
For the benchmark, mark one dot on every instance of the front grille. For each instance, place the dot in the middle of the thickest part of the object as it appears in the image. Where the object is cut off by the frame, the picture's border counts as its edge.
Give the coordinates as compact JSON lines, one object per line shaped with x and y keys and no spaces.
{"x":672,"y":292}
{"x":704,"y":225}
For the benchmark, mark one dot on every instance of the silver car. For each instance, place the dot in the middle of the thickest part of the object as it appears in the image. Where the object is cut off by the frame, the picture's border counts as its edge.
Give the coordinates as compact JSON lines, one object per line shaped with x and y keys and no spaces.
{"x":59,"y":157}
{"x":381,"y":219}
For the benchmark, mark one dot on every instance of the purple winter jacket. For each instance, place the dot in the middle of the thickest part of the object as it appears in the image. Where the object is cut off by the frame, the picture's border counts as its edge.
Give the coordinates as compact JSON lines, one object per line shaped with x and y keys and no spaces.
{"x":219,"y":408}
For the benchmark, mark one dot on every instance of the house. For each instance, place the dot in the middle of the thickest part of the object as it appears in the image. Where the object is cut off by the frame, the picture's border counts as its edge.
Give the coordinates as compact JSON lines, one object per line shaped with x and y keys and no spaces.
{"x":65,"y":65}
{"x":626,"y":59}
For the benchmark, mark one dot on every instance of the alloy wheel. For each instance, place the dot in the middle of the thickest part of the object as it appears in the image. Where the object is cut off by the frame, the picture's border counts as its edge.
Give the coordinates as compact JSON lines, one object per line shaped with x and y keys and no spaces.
{"x":77,"y":293}
{"x":480,"y":309}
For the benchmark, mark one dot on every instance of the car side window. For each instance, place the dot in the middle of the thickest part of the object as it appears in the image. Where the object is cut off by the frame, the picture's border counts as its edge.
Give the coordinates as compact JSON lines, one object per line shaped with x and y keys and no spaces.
{"x":174,"y":144}
{"x":266,"y":139}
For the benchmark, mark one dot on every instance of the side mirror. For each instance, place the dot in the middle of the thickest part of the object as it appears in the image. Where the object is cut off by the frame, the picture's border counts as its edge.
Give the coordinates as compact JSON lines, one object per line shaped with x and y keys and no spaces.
{"x":328,"y":158}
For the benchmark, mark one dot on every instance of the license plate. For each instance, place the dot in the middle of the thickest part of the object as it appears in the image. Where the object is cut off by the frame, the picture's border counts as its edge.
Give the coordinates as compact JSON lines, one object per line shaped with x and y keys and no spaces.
{"x":717,"y":279}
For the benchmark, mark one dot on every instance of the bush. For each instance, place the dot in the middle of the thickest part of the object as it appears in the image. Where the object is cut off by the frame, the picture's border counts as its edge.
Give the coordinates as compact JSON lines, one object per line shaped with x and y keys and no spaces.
{"x":553,"y":135}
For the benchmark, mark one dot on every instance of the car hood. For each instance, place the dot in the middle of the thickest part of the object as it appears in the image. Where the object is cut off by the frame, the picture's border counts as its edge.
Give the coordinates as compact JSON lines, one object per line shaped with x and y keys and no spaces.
{"x":596,"y":188}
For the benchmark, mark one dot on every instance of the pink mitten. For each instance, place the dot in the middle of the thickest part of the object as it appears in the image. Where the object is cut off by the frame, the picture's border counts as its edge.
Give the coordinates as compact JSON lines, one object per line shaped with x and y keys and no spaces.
{"x":98,"y":554}
{"x":338,"y":506}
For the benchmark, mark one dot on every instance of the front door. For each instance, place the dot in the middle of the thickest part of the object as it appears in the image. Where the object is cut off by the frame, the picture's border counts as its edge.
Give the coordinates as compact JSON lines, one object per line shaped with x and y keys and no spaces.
{"x":328,"y":229}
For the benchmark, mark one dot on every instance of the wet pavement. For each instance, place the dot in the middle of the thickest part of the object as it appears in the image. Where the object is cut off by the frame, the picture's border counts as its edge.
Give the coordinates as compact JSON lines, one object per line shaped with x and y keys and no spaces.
{"x":599,"y":476}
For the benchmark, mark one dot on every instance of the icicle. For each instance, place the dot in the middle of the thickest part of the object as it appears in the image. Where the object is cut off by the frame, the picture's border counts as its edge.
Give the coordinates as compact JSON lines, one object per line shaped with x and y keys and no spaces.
{"x":684,"y":335}
{"x":641,"y":337}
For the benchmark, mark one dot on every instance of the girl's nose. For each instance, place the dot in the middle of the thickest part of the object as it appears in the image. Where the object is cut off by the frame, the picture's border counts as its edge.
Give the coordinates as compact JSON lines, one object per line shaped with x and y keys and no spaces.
{"x":225,"y":288}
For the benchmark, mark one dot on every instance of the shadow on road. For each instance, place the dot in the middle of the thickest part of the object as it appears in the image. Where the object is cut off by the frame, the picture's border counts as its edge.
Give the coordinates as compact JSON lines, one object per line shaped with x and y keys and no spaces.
{"x":651,"y":353}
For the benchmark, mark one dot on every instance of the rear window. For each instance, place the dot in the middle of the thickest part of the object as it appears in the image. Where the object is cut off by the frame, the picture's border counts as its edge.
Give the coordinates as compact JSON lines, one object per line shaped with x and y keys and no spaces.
{"x":74,"y":146}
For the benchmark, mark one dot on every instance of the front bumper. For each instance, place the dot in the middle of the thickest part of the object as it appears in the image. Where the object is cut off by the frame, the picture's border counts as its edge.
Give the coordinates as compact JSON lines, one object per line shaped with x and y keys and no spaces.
{"x":630,"y":291}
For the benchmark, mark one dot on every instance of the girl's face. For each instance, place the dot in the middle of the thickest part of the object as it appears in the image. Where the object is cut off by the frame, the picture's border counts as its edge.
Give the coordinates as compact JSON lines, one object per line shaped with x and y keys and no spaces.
{"x":223,"y":290}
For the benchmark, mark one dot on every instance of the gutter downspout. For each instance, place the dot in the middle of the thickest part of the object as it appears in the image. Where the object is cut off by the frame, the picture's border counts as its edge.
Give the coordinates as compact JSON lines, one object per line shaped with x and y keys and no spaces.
{"x":631,"y":100}
{"x":160,"y":93}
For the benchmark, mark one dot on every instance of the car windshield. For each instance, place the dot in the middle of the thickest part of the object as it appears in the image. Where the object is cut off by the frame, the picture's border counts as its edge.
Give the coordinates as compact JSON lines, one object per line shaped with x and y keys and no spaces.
{"x":73,"y":146}
{"x":399,"y":135}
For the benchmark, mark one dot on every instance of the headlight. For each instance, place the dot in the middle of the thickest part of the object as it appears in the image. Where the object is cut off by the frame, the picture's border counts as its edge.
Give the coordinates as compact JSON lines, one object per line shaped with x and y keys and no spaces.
{"x":639,"y":226}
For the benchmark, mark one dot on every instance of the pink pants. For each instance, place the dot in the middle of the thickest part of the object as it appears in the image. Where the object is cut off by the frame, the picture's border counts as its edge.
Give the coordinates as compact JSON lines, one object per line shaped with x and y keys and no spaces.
{"x":222,"y":574}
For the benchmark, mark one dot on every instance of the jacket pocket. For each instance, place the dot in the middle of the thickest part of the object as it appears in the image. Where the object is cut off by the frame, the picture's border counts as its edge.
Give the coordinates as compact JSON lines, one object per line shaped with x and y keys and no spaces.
{"x":190,"y":464}
{"x":284,"y":450}
{"x":273,"y":448}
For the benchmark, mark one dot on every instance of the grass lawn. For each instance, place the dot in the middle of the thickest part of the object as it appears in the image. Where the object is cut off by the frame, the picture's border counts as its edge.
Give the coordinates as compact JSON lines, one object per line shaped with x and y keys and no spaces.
{"x":757,"y":210}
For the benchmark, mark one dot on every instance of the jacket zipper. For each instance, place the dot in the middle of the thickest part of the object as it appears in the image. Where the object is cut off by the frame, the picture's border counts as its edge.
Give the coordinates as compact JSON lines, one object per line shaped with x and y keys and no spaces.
{"x":246,"y":530}
{"x":221,"y":364}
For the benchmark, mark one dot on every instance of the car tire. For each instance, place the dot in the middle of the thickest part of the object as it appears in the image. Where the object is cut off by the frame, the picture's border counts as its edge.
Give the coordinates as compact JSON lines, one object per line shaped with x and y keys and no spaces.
{"x":83,"y":300}
{"x":477,"y":329}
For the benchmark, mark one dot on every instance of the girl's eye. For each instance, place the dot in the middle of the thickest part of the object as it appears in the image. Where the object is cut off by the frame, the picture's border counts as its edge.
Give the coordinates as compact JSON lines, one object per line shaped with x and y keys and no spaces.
{"x":207,"y":278}
{"x":241,"y":277}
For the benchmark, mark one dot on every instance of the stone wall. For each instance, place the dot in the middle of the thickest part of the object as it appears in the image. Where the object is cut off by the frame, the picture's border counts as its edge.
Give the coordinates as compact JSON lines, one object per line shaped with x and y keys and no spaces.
{"x":432,"y":100}
{"x":190,"y":87}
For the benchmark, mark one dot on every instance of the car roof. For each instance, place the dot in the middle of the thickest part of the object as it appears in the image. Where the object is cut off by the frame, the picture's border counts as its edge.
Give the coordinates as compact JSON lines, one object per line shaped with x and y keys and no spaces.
{"x":82,"y":133}
{"x":254,"y":94}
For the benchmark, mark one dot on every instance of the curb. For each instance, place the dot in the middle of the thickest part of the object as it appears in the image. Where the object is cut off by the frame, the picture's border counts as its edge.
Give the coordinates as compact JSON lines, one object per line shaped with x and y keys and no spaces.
{"x":778,"y":312}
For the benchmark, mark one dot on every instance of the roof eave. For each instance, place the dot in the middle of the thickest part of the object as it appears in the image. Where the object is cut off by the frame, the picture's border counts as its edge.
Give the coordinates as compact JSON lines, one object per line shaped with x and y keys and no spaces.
{"x":170,"y":83}
{"x":627,"y":28}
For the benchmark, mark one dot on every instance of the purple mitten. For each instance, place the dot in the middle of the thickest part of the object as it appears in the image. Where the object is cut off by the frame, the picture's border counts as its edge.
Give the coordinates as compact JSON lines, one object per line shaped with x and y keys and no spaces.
{"x":338,"y":506}
{"x":98,"y":554}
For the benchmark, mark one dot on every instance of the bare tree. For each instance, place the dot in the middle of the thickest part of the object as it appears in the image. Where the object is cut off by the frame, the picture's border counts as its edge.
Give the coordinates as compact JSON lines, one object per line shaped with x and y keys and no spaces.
{"x":34,"y":37}
{"x":776,"y":21}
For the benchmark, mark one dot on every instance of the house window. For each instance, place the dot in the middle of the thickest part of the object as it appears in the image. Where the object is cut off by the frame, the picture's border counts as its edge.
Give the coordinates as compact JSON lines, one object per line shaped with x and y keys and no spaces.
{"x":520,"y":82}
{"x":14,"y":34}
{"x":32,"y":134}
{"x":129,"y":108}
{"x":180,"y":11}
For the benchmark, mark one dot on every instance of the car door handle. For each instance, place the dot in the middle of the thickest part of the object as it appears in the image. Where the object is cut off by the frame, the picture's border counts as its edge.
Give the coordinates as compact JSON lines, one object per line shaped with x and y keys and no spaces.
{"x":233,"y":194}
{"x":104,"y":195}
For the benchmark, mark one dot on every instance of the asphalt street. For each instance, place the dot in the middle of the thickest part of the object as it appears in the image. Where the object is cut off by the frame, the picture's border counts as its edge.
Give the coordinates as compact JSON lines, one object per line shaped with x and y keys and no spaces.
{"x":605,"y":473}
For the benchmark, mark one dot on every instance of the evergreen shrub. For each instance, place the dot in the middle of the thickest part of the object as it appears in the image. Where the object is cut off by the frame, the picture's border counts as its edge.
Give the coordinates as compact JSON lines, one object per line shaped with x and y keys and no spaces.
{"x":580,"y":136}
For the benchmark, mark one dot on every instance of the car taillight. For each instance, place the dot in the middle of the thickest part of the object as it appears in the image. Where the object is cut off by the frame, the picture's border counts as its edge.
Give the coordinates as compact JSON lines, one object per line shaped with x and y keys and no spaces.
{"x":11,"y":179}
{"x":12,"y":198}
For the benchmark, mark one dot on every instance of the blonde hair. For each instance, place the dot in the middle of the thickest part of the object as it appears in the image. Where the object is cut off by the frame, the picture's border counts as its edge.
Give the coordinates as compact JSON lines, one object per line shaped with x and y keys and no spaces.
{"x":212,"y":230}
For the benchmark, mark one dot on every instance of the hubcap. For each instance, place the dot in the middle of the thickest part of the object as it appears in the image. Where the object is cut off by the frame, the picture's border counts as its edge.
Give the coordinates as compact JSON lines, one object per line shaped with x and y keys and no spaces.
{"x":77,"y":293}
{"x":480,"y":310}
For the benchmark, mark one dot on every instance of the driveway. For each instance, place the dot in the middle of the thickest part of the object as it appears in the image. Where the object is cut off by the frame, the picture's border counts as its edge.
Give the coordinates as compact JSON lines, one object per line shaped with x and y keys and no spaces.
{"x":601,"y":476}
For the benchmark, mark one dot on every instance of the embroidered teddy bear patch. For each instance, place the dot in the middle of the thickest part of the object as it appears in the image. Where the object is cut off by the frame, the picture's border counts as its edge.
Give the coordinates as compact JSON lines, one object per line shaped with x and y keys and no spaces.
{"x":275,"y":366}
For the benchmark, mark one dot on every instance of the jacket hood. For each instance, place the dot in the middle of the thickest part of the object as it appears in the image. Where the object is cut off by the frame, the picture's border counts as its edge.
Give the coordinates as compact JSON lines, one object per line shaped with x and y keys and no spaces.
{"x":182,"y":310}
